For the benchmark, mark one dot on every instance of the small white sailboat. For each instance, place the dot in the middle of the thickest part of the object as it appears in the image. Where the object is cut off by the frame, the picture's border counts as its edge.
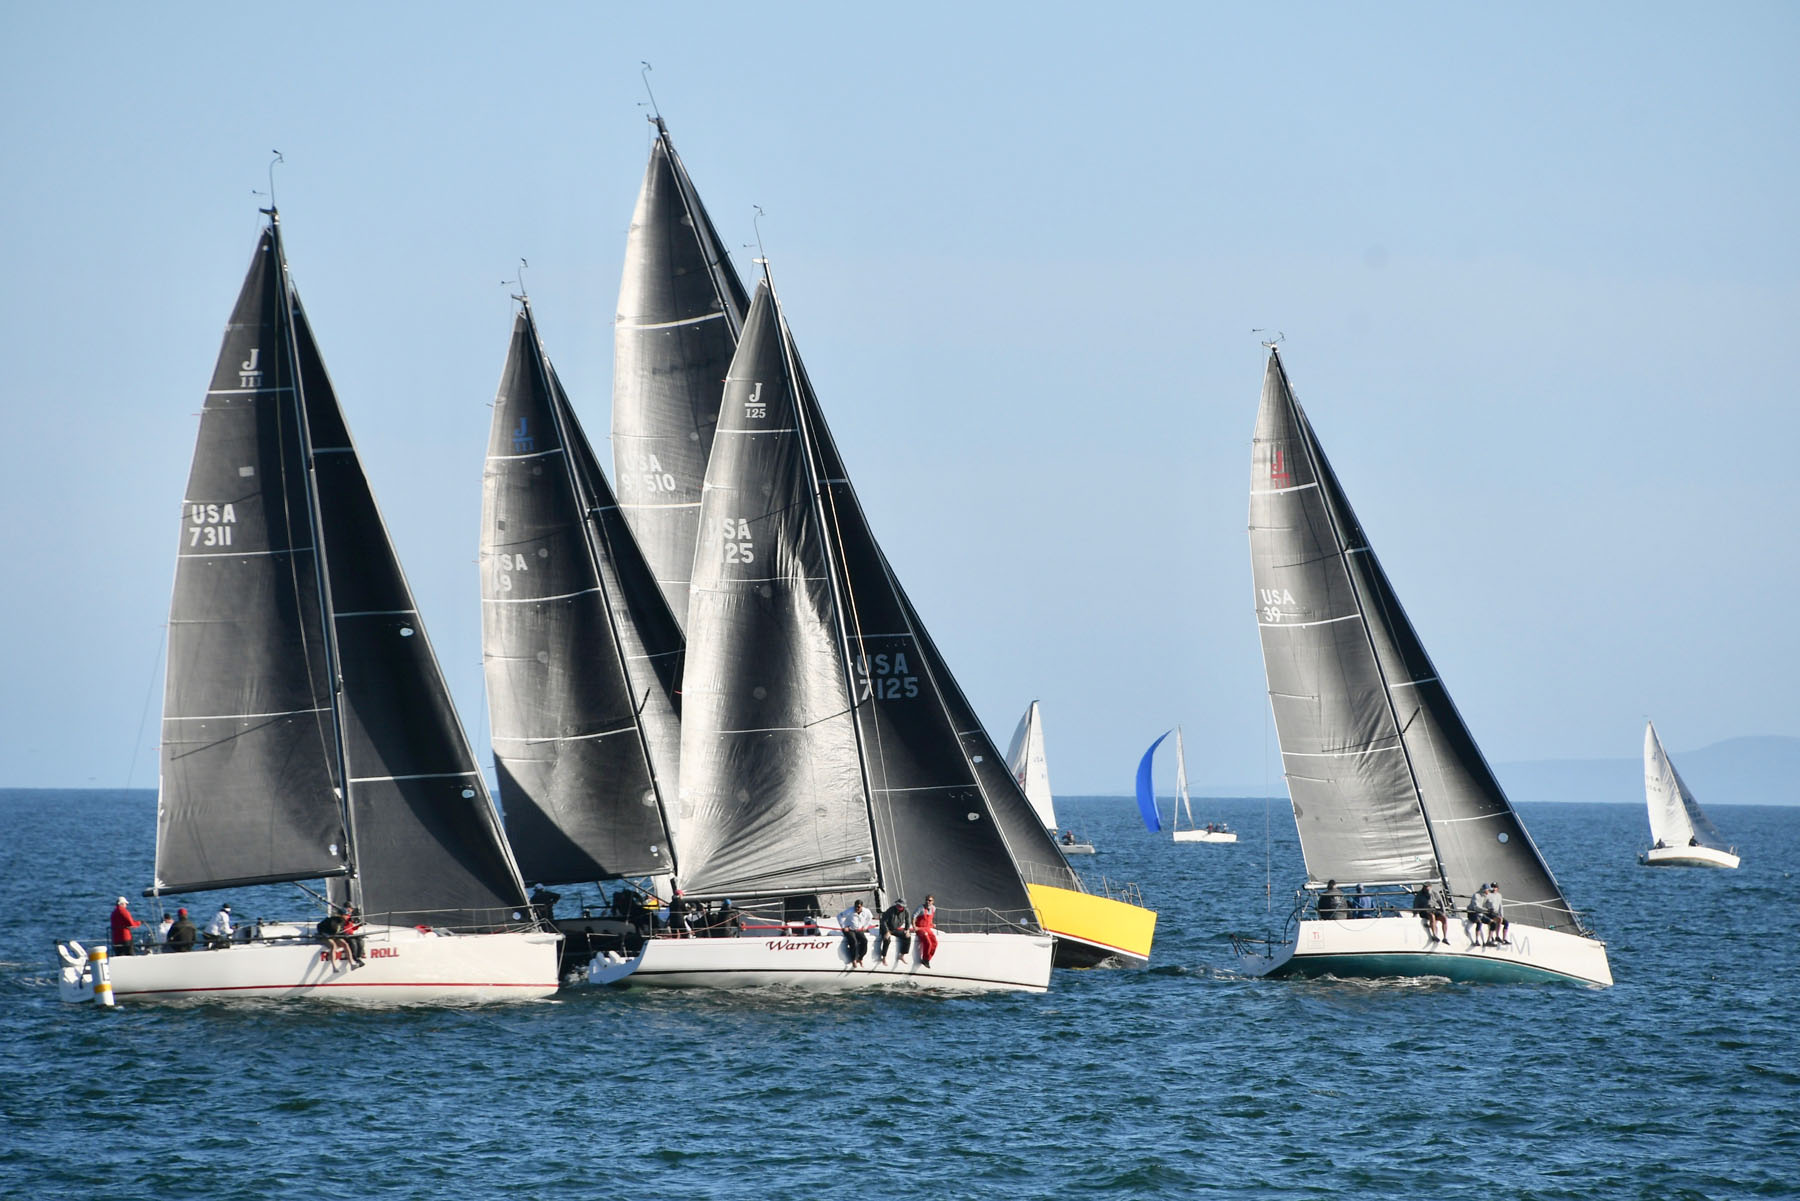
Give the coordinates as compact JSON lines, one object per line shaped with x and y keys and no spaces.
{"x":1684,"y":836}
{"x":1390,"y":793}
{"x":1025,"y":759}
{"x":1215,"y":832}
{"x":307,"y":731}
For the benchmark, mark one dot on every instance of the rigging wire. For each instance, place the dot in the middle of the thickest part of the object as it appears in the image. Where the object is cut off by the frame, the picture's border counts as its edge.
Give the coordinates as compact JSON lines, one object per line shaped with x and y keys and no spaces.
{"x":144,"y":716}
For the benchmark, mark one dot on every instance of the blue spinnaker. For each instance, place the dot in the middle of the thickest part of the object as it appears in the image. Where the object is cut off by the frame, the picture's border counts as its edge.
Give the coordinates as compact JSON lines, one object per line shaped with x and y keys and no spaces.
{"x":1146,"y":792}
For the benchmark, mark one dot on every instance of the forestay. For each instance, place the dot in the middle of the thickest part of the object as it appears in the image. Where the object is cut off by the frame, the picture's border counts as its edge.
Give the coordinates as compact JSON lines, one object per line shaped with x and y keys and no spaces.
{"x":1387,"y":784}
{"x":680,"y":309}
{"x":582,"y":655}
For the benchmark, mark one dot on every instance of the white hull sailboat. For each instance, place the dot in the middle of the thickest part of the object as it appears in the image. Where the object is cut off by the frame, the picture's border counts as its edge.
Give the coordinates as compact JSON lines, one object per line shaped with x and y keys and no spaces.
{"x":965,"y":962}
{"x":1204,"y":835}
{"x":1390,"y":794}
{"x":307,"y":731}
{"x":821,"y":756}
{"x":1684,"y":836}
{"x":1401,"y":945}
{"x":404,"y":966}
{"x":1026,"y":760}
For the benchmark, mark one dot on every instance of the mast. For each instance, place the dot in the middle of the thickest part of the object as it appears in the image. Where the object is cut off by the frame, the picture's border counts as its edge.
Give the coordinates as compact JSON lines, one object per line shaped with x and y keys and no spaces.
{"x":315,"y":515}
{"x":1387,"y":689}
{"x":590,"y":510}
{"x":828,"y":531}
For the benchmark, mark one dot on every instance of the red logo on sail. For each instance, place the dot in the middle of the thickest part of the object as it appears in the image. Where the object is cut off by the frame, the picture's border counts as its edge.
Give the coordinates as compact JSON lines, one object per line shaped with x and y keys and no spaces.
{"x":1278,"y":472}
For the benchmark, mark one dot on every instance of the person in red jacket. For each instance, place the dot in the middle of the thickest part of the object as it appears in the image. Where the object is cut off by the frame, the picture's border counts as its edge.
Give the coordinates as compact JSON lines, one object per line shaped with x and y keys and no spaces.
{"x":122,"y":925}
{"x":925,"y":929}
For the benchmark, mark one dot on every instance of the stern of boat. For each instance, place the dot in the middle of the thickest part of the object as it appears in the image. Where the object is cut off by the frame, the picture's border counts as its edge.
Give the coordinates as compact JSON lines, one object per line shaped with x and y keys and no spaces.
{"x":1090,"y":929}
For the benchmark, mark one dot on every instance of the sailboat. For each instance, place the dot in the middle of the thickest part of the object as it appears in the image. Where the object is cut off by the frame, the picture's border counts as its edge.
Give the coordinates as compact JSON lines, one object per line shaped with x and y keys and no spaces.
{"x":307,"y":729}
{"x":1215,"y":832}
{"x":582,"y":657}
{"x":1684,"y":836}
{"x":1025,"y":759}
{"x":1391,"y":795}
{"x":681,"y":307}
{"x":820,"y":764}
{"x":681,"y":312}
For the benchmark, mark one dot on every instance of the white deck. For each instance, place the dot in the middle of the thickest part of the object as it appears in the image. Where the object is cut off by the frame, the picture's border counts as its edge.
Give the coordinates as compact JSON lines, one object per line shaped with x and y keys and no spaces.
{"x":1399,"y":946}
{"x":404,"y":966}
{"x":964,"y":963}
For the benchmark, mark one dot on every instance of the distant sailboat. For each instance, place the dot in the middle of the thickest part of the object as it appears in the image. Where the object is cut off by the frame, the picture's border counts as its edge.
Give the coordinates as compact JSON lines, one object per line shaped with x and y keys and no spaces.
{"x":1390,"y":793}
{"x":1025,"y":759}
{"x":307,"y":729}
{"x":821,"y":763}
{"x":582,"y":657}
{"x":1216,"y":832}
{"x":1146,"y":798}
{"x":681,"y":308}
{"x":1684,"y":837}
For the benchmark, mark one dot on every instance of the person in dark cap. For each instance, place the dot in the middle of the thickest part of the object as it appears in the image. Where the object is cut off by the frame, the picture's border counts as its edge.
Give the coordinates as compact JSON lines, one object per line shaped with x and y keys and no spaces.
{"x":1331,"y":901}
{"x":896,"y":927}
{"x":728,"y":922}
{"x":182,"y":934}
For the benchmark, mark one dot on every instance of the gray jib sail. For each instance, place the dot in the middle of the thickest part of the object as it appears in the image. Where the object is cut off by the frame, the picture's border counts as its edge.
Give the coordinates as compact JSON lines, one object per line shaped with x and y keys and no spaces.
{"x":773,"y":799}
{"x":1033,"y":848}
{"x":935,"y":828}
{"x":426,"y":839}
{"x":680,"y":309}
{"x":1371,"y":742}
{"x":248,"y":752}
{"x":576,"y":779}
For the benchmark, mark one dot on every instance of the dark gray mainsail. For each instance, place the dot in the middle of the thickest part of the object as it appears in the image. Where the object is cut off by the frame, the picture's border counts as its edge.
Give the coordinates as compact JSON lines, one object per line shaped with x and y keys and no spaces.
{"x":680,"y":309}
{"x":819,"y":748}
{"x":582,"y":655}
{"x":1388,"y":786}
{"x":249,"y":760}
{"x":421,"y":839}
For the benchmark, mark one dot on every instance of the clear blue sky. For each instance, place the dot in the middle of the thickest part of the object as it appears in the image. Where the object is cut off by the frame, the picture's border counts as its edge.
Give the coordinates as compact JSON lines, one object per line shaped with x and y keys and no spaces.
{"x":1536,"y":265}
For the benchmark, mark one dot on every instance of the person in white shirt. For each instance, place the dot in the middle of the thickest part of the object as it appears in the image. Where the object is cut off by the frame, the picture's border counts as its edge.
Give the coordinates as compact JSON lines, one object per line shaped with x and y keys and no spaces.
{"x":218,"y":931}
{"x":855,"y":923}
{"x":1496,"y":909}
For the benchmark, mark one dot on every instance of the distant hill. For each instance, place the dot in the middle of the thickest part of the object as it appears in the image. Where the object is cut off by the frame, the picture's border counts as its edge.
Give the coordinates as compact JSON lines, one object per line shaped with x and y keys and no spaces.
{"x":1761,"y":770}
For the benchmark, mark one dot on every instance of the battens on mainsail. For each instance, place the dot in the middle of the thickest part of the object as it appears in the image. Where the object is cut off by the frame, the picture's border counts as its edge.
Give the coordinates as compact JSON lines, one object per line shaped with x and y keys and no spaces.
{"x":581,"y":654}
{"x":681,"y":307}
{"x":772,"y":793}
{"x":1025,"y":759}
{"x":417,"y":829}
{"x":819,"y":738}
{"x":1676,"y":819}
{"x":249,"y":762}
{"x":1387,"y":784}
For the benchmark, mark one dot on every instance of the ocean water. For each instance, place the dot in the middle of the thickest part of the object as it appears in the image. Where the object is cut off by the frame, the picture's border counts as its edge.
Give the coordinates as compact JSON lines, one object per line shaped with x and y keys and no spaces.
{"x":1182,"y":1080}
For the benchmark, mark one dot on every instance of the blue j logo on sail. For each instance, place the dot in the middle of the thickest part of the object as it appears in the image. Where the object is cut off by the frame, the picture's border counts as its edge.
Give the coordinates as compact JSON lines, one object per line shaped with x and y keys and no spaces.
{"x":522,"y":439}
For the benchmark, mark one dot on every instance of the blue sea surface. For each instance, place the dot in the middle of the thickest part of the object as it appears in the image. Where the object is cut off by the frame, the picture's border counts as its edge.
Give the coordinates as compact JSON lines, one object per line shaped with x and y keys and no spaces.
{"x":1182,"y":1080}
